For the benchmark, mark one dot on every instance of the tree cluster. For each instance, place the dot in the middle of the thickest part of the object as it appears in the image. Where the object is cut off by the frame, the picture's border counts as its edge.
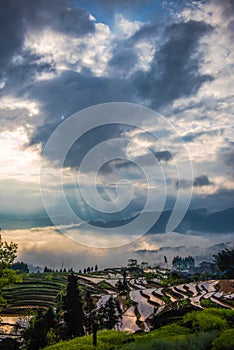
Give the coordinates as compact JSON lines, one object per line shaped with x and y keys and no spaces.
{"x":42,"y":330}
{"x":89,"y":269}
{"x":180,"y":263}
{"x":48,"y":269}
{"x":76,"y":316}
{"x":225,"y":262}
{"x":20,"y":267}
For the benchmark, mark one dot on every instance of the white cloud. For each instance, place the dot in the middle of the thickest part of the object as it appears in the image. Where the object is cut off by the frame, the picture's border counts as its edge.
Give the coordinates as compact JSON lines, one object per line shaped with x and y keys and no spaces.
{"x":11,"y":103}
{"x":124,"y":28}
{"x":92,"y":51}
{"x":145,"y":52}
{"x":44,"y":246}
{"x":19,"y":162}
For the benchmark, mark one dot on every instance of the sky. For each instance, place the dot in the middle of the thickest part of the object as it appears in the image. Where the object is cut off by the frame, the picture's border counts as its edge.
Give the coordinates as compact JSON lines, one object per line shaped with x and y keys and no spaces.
{"x":109,"y":109}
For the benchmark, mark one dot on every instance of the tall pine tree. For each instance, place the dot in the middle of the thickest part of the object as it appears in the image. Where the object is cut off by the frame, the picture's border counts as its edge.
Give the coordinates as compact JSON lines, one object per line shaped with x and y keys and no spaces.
{"x":73,"y":313}
{"x":89,"y":312}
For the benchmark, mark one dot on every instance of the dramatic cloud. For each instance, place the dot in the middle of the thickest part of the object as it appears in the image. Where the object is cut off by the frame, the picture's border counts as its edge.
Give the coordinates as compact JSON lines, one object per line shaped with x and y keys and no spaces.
{"x":58,"y":57}
{"x":174,"y":70}
{"x":201,"y":181}
{"x":20,"y":17}
{"x":144,"y":159}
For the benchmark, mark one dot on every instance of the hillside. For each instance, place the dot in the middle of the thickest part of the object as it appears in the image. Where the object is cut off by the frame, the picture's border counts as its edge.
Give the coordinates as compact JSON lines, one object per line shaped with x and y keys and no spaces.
{"x":148,"y":300}
{"x":201,"y":330}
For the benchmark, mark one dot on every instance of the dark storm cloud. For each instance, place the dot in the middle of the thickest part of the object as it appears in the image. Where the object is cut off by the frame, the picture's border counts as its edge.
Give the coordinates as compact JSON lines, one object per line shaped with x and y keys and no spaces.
{"x":116,"y":164}
{"x":160,"y":156}
{"x":22,"y":72}
{"x":175,"y":68}
{"x":70,"y":92}
{"x":146,"y":32}
{"x":199,"y":181}
{"x":120,"y":4}
{"x":19,"y":16}
{"x":123,"y":60}
{"x":124,"y":3}
{"x":113,"y":165}
{"x":202,"y":180}
{"x":163,"y":155}
{"x":89,"y":140}
{"x":57,"y":15}
{"x":11,"y":31}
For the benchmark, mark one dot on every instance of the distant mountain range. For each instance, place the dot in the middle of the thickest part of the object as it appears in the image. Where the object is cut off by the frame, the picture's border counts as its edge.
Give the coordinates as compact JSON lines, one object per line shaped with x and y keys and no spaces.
{"x":196,"y":220}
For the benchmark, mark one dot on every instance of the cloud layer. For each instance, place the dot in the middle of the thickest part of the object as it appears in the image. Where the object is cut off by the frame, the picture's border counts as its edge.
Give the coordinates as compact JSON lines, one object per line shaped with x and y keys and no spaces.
{"x":58,"y":57}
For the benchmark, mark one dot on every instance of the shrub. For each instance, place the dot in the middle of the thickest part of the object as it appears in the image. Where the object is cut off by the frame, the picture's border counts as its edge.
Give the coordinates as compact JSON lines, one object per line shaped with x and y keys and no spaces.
{"x":186,"y":302}
{"x":172,"y":330}
{"x":166,"y":299}
{"x":225,"y":341}
{"x":208,"y":303}
{"x":200,"y":341}
{"x":226,"y":314}
{"x":203,"y":321}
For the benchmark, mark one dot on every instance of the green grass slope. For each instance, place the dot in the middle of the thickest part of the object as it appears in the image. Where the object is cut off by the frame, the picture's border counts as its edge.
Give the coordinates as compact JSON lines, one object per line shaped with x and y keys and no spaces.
{"x":200,"y":330}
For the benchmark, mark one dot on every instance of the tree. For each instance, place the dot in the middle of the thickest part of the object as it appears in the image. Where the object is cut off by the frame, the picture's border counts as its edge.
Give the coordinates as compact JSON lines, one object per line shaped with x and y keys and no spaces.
{"x":21,"y":267}
{"x":180,"y":263}
{"x":73,"y":313}
{"x":7,"y":254}
{"x":7,"y":276}
{"x":96,"y":268}
{"x":119,"y":286}
{"x":38,"y":334}
{"x":92,"y":319}
{"x":110,"y":314}
{"x":125,"y":283}
{"x":88,"y":309}
{"x":132,"y":263}
{"x":144,"y":265}
{"x":225,"y":261}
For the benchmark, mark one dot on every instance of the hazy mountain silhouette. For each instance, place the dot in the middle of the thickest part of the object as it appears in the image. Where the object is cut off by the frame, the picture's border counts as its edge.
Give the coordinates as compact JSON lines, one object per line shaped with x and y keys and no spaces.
{"x":199,"y":220}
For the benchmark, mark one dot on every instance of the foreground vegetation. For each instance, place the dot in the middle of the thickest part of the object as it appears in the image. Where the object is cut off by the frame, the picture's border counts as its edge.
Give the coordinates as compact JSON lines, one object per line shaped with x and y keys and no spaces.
{"x":161,"y":307}
{"x":197,"y":330}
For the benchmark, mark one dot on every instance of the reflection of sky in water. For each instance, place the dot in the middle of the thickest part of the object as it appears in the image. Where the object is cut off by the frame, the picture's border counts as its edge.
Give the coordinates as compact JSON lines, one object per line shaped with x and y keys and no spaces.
{"x":129,"y":321}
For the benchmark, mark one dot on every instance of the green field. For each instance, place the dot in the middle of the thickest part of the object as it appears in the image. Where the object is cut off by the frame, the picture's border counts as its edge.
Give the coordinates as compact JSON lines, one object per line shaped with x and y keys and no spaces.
{"x":36,"y":290}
